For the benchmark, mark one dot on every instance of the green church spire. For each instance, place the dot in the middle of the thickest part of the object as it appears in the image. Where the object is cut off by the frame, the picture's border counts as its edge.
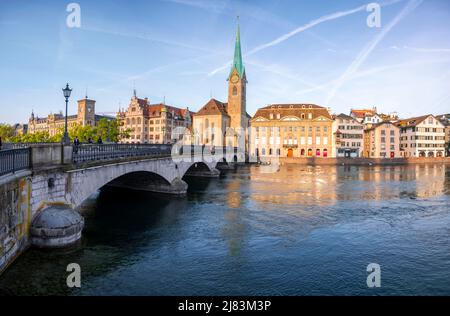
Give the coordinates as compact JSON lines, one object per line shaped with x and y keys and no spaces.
{"x":237,"y":61}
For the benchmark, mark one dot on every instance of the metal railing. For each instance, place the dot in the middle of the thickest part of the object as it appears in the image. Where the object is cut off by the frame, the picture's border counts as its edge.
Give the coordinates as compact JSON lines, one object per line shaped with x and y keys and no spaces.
{"x":88,"y":153}
{"x":8,"y":146}
{"x":99,"y":152}
{"x":13,"y":160}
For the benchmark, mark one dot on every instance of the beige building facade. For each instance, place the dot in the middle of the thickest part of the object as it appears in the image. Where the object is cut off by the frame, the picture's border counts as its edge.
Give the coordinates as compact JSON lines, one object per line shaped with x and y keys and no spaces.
{"x":291,"y":130}
{"x":382,"y":140}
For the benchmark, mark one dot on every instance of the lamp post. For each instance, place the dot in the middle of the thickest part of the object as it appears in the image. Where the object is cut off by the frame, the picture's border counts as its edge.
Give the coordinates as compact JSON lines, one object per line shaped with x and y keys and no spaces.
{"x":66,"y":92}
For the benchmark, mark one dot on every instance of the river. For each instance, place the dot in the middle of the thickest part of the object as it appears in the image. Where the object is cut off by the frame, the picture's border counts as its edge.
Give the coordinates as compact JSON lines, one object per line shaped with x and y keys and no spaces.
{"x":303,"y":230}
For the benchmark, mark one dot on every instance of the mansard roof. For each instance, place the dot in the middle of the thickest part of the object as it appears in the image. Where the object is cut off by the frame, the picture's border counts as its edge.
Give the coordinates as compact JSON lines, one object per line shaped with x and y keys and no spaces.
{"x":293,"y":110}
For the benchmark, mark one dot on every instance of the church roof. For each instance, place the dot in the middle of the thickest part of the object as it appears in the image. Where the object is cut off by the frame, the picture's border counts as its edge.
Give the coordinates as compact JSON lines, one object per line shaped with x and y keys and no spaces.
{"x":213,"y":107}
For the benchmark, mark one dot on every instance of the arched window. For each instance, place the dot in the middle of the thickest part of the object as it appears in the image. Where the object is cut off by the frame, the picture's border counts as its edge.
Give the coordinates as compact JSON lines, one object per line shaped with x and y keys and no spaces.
{"x":234,"y":90}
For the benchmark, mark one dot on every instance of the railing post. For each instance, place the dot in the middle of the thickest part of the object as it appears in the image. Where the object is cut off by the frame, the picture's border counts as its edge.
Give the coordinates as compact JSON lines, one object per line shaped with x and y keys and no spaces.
{"x":30,"y":160}
{"x":14,"y":161}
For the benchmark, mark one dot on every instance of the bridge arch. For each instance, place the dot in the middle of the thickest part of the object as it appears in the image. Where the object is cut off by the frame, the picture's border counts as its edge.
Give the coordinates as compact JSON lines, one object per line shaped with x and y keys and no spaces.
{"x":156,"y":175}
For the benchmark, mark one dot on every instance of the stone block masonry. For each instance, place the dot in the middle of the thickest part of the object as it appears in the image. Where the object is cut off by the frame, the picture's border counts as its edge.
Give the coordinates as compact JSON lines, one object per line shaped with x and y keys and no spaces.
{"x":15,"y":217}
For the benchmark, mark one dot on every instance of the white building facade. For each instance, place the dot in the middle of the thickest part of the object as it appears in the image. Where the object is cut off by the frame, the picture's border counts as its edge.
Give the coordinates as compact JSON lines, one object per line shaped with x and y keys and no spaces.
{"x":348,"y":137}
{"x":422,"y":136}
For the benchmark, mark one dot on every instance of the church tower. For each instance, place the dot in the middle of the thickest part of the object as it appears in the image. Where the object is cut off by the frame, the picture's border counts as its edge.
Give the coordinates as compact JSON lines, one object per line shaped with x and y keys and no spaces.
{"x":237,"y":82}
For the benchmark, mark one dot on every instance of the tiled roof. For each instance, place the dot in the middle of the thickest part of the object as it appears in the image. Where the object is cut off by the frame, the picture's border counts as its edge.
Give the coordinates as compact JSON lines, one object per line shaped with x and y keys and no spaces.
{"x":293,"y":110}
{"x":362,"y":113}
{"x":379,"y":124}
{"x":345,"y":116}
{"x":213,"y":107}
{"x":413,"y":121}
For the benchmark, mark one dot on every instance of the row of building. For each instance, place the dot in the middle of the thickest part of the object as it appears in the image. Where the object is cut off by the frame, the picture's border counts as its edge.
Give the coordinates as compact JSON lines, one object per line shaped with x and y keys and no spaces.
{"x":287,"y":130}
{"x":308,"y":130}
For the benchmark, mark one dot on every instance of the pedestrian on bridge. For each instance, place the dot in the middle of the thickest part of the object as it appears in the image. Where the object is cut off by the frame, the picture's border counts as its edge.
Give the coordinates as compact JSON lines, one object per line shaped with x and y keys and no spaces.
{"x":76,"y":143}
{"x":99,"y":140}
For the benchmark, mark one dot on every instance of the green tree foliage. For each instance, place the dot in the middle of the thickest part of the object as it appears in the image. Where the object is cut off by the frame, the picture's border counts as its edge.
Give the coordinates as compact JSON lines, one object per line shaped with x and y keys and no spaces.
{"x":6,"y":132}
{"x":108,"y":130}
{"x":38,"y":137}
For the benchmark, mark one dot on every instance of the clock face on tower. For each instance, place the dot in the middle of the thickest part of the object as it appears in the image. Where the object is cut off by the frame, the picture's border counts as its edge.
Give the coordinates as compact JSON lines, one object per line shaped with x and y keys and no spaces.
{"x":234,"y":78}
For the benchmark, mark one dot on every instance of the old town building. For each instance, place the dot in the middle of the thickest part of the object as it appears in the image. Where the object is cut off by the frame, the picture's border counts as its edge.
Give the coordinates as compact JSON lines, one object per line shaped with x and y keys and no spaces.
{"x":54,"y":123}
{"x":348,"y":137}
{"x":291,"y":130}
{"x":226,"y":124}
{"x":382,"y":140}
{"x":154,"y":123}
{"x":422,"y":136}
{"x":366,"y":116}
{"x":445,"y":120}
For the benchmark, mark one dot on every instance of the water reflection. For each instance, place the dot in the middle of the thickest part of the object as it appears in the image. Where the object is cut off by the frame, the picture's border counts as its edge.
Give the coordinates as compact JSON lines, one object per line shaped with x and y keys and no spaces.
{"x":327,"y":185}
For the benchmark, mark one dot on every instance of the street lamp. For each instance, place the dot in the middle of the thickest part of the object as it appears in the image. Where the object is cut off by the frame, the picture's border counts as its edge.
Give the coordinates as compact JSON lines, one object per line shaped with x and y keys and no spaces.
{"x":66,"y":91}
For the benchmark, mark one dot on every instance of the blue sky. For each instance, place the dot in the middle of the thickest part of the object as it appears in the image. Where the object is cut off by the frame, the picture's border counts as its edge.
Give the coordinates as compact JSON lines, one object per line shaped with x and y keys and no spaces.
{"x":295,"y":51}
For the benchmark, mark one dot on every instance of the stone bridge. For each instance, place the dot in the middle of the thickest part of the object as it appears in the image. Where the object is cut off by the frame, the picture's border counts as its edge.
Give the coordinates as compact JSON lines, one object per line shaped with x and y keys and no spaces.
{"x":41,"y":185}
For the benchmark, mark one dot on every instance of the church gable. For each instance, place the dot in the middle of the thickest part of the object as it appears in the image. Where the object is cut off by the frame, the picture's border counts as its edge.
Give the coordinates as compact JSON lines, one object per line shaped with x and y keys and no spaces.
{"x":213,"y":107}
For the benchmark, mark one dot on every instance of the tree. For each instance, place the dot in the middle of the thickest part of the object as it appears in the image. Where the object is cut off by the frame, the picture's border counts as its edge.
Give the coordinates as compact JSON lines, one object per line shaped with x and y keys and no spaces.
{"x":6,"y":132}
{"x":38,"y":137}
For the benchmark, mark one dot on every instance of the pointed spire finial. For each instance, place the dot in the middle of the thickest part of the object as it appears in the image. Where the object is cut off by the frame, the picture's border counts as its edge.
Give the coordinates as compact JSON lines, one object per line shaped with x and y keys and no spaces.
{"x":237,"y":61}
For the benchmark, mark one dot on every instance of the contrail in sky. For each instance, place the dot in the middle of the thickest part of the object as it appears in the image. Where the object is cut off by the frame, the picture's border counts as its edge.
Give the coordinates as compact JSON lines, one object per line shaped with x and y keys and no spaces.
{"x":362,"y":56}
{"x":325,"y":18}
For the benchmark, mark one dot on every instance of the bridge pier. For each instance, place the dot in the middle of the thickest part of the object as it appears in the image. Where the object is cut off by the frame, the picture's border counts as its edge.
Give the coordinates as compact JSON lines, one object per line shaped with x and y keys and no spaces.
{"x":56,"y":226}
{"x":213,"y":173}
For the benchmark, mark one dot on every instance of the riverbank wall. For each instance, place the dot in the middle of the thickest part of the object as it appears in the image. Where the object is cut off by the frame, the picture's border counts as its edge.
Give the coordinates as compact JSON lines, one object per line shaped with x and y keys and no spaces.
{"x":312,"y":161}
